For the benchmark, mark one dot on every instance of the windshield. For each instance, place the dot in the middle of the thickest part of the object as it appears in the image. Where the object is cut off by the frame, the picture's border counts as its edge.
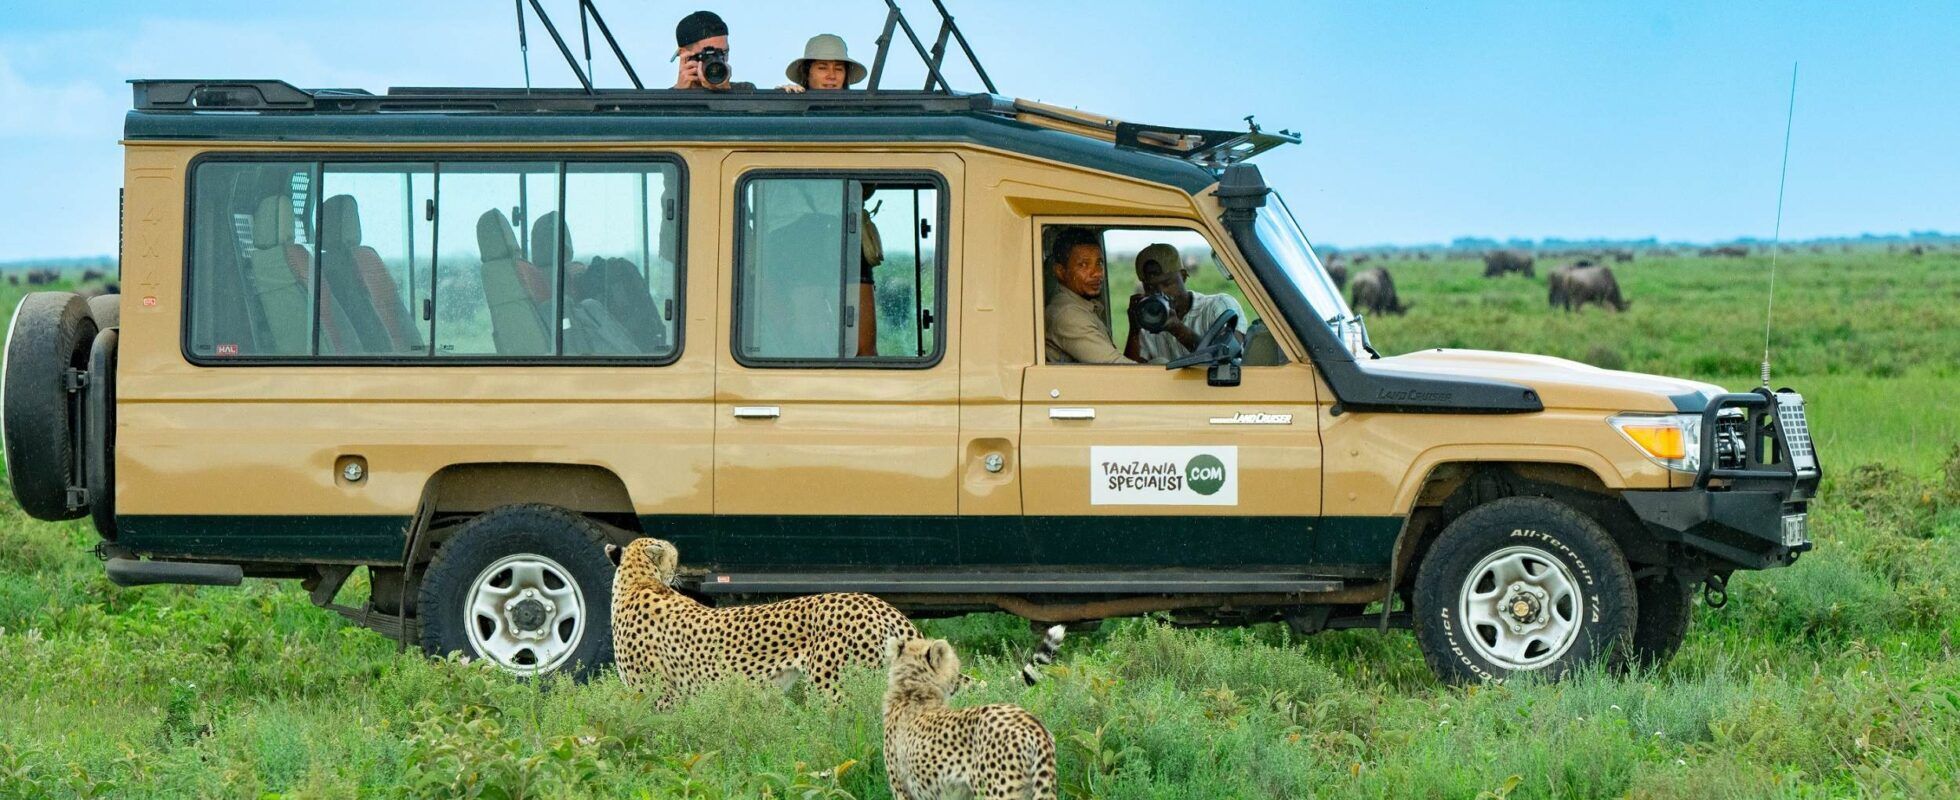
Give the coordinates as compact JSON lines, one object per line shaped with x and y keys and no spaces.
{"x":1281,"y":235}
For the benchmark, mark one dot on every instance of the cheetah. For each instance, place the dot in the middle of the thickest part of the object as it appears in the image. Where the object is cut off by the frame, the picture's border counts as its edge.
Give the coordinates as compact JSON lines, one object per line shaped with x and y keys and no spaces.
{"x":660,"y":632}
{"x":932,"y":751}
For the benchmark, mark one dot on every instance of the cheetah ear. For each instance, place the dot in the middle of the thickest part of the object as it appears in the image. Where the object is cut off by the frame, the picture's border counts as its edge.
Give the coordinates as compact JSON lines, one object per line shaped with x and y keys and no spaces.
{"x":612,"y":553}
{"x":893,"y":646}
{"x":939,"y":653}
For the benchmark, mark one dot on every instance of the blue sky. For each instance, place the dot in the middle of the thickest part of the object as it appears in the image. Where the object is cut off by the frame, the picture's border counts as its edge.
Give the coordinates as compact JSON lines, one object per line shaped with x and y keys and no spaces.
{"x":1423,"y":121}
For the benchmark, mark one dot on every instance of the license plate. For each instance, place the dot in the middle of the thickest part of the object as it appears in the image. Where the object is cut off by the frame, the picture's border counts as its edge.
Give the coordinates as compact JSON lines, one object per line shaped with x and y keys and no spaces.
{"x":1796,"y":529}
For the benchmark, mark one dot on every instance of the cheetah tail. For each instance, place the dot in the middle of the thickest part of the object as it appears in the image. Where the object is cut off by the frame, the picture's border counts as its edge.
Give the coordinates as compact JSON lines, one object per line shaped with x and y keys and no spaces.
{"x":1044,"y":654}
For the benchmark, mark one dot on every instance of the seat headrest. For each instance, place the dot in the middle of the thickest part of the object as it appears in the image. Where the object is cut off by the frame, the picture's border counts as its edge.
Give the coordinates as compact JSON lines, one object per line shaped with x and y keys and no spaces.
{"x":340,"y":225}
{"x":272,"y":224}
{"x":495,"y":238}
{"x":544,"y":241}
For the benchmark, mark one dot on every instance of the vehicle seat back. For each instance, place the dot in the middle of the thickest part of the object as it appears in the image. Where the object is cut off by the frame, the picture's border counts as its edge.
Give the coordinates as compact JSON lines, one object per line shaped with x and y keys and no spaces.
{"x":349,"y":299}
{"x":278,"y":268}
{"x":512,"y":288}
{"x":617,"y":285}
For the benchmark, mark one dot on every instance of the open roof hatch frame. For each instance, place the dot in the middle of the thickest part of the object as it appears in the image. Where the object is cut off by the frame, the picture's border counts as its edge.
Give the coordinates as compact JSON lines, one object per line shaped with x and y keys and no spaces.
{"x":934,"y":58}
{"x":1211,"y":149}
{"x":588,"y":13}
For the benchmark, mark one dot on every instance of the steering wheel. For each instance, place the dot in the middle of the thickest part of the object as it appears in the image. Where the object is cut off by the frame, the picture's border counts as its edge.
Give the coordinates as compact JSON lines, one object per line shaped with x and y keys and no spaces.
{"x":1218,"y":345}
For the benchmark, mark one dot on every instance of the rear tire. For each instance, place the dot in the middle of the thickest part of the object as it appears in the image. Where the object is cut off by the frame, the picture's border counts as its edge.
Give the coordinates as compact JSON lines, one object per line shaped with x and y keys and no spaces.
{"x":528,"y":587}
{"x":1522,"y":584}
{"x":50,"y":334}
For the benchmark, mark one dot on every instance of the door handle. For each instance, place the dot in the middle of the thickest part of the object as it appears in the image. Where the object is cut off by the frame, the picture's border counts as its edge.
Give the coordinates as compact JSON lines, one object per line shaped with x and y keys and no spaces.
{"x":758,"y":412}
{"x":1071,"y":413}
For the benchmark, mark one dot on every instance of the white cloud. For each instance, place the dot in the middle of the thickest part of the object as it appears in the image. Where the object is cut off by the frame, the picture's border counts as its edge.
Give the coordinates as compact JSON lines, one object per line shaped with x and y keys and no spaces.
{"x":63,"y":108}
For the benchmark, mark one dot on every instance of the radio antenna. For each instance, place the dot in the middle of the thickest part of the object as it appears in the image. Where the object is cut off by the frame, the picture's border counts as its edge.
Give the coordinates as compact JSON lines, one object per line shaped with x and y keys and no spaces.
{"x":1776,"y":239}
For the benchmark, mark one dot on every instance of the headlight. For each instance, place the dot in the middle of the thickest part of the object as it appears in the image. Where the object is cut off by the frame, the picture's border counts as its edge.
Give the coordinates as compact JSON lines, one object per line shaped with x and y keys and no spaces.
{"x":1671,"y":440}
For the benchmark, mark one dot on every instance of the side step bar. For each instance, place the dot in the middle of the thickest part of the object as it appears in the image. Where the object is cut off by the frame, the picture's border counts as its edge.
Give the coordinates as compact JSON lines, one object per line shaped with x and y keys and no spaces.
{"x":1018,"y":583}
{"x":131,"y":572}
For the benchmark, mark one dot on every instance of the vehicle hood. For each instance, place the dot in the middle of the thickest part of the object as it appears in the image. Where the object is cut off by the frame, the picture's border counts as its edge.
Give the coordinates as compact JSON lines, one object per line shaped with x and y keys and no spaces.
{"x":1560,"y":383}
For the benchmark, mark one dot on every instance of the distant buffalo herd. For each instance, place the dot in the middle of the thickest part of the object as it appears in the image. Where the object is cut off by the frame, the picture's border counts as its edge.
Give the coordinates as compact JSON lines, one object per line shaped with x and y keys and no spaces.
{"x":92,"y":281}
{"x":1569,"y":286}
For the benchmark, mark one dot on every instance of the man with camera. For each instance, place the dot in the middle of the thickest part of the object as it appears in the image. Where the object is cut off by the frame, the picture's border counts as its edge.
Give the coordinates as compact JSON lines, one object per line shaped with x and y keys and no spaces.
{"x":701,"y":40}
{"x":1166,"y":318}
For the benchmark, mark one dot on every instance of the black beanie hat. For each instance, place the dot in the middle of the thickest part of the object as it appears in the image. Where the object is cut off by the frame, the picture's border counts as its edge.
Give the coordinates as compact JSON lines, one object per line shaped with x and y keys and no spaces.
{"x":697,"y":26}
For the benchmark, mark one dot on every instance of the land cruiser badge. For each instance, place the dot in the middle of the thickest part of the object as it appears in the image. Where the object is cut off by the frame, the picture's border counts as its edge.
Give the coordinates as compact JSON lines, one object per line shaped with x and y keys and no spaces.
{"x":1164,"y":476}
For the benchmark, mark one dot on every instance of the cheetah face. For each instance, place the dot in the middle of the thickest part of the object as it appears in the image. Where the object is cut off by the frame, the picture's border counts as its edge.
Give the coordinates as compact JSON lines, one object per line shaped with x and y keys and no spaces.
{"x":930,"y":660}
{"x":648,"y":556}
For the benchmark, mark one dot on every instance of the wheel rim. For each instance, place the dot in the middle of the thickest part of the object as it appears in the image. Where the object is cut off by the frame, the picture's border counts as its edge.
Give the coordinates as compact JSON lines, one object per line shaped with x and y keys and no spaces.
{"x":1520,"y":608}
{"x":525,"y":613}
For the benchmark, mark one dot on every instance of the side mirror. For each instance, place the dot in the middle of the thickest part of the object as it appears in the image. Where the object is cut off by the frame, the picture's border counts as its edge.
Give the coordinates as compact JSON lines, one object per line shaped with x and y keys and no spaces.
{"x":1220,"y":349}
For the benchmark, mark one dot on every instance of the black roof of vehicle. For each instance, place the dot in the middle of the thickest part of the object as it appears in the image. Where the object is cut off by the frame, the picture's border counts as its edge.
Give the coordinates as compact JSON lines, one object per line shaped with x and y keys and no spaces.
{"x":275,"y":111}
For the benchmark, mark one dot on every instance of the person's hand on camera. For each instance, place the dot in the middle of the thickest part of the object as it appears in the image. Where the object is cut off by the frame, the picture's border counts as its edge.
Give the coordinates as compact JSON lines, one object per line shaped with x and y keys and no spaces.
{"x":1136,"y":310}
{"x":1177,"y":328}
{"x":690,"y":76}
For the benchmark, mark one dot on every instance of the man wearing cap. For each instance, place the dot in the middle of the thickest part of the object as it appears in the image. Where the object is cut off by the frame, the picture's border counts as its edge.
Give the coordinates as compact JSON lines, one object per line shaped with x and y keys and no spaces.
{"x":826,"y":65}
{"x":1160,"y":270}
{"x":701,"y":30}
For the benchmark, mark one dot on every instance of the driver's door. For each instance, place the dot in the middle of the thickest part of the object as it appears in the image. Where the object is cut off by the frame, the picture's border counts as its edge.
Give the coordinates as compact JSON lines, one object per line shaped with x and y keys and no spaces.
{"x":1146,"y":466}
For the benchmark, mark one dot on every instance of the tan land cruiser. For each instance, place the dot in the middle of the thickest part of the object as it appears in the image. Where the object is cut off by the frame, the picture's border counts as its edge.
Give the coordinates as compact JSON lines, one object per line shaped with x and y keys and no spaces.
{"x":462,"y":338}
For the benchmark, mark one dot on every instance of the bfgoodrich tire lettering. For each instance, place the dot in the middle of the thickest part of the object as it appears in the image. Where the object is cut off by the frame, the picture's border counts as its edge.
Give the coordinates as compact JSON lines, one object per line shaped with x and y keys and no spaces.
{"x":50,"y":334}
{"x":564,"y":551}
{"x":1557,"y":573}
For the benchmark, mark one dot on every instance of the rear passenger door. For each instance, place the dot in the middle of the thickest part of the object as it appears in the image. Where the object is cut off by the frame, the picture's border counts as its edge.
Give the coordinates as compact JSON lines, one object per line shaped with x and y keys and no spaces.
{"x":837,"y":388}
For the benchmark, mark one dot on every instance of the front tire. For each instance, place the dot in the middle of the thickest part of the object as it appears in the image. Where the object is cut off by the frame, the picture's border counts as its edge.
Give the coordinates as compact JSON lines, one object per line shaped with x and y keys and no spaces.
{"x":527,"y":587}
{"x":1522,"y":585}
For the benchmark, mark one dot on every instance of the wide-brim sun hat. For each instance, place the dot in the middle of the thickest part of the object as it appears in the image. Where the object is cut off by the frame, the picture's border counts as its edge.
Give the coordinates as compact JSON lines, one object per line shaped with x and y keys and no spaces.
{"x":826,"y":47}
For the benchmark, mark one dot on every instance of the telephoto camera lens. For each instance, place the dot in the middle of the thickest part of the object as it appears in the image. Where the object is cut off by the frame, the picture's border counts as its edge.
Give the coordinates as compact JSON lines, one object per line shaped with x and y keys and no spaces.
{"x":714,"y":65}
{"x":1154,"y":313}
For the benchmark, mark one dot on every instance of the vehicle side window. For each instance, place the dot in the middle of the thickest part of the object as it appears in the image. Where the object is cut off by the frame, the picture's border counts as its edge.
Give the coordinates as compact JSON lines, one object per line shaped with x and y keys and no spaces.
{"x":1186,"y":276}
{"x":491,"y":297}
{"x":374,"y":259}
{"x":619,"y":250}
{"x":479,"y":260}
{"x":252,"y":260}
{"x":839,"y":270}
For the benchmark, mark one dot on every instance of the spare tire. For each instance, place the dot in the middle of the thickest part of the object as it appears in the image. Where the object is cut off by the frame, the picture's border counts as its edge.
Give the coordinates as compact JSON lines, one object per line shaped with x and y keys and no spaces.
{"x":50,"y":334}
{"x":106,"y":310}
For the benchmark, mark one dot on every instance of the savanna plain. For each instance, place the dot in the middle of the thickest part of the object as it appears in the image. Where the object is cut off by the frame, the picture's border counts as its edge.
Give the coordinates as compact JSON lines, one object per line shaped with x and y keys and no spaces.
{"x":1839,"y":676}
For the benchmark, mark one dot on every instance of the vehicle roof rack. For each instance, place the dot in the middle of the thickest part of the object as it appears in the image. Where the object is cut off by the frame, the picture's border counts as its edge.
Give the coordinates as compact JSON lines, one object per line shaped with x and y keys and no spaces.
{"x":277,"y":96}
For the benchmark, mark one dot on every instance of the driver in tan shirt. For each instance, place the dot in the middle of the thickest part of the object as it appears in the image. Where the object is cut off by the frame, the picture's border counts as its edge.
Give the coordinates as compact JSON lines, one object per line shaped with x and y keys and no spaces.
{"x":1076,"y":317}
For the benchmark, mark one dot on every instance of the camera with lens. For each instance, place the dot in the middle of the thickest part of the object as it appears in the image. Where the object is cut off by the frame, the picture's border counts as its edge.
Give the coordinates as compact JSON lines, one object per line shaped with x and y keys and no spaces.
{"x":714,"y":65}
{"x":1154,"y":312}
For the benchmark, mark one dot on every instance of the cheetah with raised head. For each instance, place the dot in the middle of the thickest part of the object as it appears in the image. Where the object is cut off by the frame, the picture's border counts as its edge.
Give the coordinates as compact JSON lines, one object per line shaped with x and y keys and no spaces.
{"x":932,"y":751}
{"x":661,"y":632}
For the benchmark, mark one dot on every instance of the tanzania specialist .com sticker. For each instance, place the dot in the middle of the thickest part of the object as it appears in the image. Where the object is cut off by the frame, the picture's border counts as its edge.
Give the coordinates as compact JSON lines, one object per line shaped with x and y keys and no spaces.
{"x":1164,"y":476}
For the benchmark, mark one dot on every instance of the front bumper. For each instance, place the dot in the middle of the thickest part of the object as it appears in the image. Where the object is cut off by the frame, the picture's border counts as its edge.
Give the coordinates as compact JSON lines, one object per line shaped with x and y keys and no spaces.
{"x":1742,"y":529}
{"x":1750,"y":499}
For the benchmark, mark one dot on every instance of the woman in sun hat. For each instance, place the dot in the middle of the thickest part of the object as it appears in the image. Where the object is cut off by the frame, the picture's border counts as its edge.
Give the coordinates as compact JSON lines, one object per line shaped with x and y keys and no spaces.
{"x":825,"y":65}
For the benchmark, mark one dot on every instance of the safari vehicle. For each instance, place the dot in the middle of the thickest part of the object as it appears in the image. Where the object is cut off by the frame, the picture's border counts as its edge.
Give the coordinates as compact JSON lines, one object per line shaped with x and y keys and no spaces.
{"x":464,"y":337}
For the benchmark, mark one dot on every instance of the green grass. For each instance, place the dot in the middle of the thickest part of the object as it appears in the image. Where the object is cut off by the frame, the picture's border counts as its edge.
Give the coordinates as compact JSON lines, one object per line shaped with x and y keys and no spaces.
{"x":1837,"y":677}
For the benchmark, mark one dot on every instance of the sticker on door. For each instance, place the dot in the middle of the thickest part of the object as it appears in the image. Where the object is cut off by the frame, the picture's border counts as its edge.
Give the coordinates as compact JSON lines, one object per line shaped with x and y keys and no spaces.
{"x":1164,"y":476}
